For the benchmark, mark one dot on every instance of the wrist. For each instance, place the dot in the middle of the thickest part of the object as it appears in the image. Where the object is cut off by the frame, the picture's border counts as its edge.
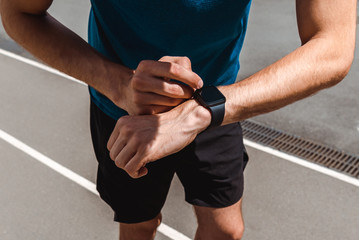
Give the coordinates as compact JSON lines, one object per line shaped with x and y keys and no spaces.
{"x":117,"y":81}
{"x":199,"y":116}
{"x":211,"y":98}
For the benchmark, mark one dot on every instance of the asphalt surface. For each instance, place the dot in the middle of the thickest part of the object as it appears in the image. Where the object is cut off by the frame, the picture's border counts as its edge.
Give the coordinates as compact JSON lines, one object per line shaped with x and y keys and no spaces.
{"x":281,"y":201}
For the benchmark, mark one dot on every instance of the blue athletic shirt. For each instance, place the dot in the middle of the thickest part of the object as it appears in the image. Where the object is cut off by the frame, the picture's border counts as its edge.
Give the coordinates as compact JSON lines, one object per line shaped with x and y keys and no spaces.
{"x":209,"y":32}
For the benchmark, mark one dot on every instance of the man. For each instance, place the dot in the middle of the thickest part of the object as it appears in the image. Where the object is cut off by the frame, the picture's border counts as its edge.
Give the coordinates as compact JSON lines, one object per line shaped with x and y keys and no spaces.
{"x":170,"y":129}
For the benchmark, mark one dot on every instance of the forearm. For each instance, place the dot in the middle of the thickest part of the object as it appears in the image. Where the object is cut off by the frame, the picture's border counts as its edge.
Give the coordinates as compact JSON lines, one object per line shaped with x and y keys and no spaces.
{"x":327,"y":30}
{"x":316,"y":65}
{"x":59,"y":47}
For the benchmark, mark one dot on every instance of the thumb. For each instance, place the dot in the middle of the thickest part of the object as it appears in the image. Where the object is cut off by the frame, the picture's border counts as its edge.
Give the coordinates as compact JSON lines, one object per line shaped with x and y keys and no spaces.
{"x":183,"y":61}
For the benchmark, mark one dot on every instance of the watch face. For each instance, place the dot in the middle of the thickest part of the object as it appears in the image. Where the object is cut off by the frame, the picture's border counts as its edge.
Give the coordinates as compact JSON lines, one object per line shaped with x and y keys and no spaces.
{"x":212,"y":96}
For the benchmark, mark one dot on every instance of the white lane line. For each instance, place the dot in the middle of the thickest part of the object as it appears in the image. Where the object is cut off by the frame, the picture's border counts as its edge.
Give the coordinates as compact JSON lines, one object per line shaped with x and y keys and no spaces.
{"x":303,"y":163}
{"x":49,"y":162}
{"x":83,"y":182}
{"x":257,"y":146}
{"x":39,"y":65}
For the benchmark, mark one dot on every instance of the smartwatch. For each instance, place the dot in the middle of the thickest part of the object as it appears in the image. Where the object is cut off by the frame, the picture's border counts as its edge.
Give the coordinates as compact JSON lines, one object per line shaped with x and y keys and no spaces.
{"x":212,"y":99}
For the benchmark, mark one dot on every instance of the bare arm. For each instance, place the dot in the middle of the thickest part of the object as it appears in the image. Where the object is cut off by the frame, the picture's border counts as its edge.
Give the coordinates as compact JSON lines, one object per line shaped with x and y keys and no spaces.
{"x":327,"y":31}
{"x":28,"y":23}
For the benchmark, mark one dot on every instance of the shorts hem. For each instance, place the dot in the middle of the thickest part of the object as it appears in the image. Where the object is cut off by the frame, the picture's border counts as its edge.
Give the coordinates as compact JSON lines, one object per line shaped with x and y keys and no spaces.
{"x":200,"y":203}
{"x":119,"y":219}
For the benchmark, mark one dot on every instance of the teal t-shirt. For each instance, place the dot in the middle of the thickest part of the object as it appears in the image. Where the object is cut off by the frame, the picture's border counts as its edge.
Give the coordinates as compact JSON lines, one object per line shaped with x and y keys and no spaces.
{"x":209,"y":32}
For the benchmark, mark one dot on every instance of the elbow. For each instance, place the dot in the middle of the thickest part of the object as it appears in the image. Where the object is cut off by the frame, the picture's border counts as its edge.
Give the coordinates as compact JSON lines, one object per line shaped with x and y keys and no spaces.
{"x":38,"y":7}
{"x":334,"y":54}
{"x":5,"y":15}
{"x":342,"y":67}
{"x":13,"y":12}
{"x":348,"y":61}
{"x":339,"y":62}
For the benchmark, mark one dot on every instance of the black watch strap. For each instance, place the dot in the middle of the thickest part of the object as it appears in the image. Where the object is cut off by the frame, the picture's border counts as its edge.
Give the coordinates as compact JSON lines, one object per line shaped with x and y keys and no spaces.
{"x":217,"y":113}
{"x":212,"y":99}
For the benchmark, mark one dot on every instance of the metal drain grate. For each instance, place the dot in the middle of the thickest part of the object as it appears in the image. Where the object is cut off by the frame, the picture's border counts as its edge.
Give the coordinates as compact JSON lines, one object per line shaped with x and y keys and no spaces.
{"x":297,"y":146}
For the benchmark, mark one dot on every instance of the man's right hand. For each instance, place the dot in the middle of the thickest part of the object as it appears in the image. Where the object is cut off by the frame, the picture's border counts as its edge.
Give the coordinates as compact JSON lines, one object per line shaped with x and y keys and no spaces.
{"x":148,"y":89}
{"x":151,"y":89}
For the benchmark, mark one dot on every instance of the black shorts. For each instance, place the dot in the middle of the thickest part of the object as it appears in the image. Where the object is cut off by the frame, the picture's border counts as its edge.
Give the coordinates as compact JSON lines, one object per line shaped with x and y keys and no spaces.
{"x":210,"y":169}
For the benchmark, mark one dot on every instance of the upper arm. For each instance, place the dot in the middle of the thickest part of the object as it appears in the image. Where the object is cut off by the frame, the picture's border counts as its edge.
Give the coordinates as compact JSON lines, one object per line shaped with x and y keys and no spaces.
{"x":334,"y":18}
{"x":25,"y":6}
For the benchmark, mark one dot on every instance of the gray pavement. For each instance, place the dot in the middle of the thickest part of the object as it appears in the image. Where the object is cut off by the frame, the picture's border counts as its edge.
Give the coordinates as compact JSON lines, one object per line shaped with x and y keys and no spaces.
{"x":37,"y":203}
{"x":282,"y":200}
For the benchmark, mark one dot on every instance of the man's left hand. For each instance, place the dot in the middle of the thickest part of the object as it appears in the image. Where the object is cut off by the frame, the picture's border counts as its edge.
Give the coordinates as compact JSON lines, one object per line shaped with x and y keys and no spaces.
{"x":138,"y":140}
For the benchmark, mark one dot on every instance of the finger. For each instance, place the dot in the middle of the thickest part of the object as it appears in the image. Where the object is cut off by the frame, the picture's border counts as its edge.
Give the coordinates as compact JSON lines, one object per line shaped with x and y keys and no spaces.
{"x":162,"y":86}
{"x":117,"y":148}
{"x":135,"y":167}
{"x":172,"y":71}
{"x":112,"y":140}
{"x":124,"y":156}
{"x":183,"y":61}
{"x":144,"y":98}
{"x":142,"y":172}
{"x":113,"y":136}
